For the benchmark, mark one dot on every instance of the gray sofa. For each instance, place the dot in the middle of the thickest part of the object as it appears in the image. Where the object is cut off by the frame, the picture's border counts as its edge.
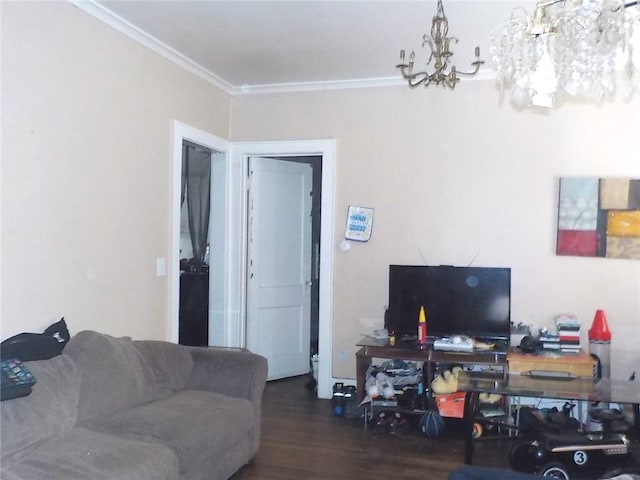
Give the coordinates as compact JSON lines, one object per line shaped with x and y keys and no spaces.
{"x":113,"y":408}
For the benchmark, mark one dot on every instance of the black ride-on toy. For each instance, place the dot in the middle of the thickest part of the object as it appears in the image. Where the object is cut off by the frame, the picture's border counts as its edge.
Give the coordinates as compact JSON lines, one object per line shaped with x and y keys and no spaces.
{"x":571,"y":454}
{"x":566,"y":456}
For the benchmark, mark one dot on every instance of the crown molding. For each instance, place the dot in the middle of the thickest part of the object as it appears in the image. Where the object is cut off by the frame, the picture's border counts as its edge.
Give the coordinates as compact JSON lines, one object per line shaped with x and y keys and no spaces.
{"x":320,"y":85}
{"x":483,"y":74}
{"x":101,"y":13}
{"x":120,"y":24}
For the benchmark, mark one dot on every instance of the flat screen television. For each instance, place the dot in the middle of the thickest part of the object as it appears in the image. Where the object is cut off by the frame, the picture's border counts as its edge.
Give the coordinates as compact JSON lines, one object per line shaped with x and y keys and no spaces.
{"x":472,"y":301}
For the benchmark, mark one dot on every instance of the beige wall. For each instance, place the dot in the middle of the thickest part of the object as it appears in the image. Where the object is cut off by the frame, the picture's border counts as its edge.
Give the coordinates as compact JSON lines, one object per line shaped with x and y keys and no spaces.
{"x":455,"y":177}
{"x":86,"y":163}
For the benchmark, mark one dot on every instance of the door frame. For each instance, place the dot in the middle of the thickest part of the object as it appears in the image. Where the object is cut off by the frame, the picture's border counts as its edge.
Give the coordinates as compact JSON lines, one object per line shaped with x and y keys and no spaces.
{"x":182,"y":132}
{"x":235,"y":227}
{"x":239,"y":158}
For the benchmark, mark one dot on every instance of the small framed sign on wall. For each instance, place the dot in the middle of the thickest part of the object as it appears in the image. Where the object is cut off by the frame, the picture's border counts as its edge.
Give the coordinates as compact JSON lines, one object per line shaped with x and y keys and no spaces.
{"x":359,"y":224}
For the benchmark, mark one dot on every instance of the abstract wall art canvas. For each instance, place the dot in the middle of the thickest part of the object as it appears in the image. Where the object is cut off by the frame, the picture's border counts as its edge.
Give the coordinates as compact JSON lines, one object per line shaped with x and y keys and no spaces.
{"x":599,"y":217}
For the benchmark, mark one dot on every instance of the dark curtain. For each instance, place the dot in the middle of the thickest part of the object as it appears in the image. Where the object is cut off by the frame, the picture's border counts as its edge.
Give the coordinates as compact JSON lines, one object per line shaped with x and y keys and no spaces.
{"x":183,"y":190}
{"x":196,"y":189}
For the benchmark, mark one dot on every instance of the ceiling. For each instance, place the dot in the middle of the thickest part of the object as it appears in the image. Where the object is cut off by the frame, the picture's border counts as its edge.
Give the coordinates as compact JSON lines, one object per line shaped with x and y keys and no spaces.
{"x":257,"y":46}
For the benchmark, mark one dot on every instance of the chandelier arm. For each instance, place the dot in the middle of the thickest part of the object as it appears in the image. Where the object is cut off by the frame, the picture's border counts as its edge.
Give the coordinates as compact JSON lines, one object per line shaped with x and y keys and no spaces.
{"x":403,"y":69}
{"x":426,"y":80}
{"x":411,"y":78}
{"x":476,"y":67}
{"x":445,"y":63}
{"x":430,"y":43}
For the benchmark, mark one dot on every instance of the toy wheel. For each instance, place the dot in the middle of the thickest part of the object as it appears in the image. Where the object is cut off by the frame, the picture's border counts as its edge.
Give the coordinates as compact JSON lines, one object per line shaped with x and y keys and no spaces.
{"x":554,"y":470}
{"x":477,"y":430}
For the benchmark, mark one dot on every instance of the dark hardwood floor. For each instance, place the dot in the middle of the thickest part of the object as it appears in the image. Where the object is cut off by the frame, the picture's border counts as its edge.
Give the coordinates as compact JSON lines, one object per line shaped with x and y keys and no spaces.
{"x":303,"y":439}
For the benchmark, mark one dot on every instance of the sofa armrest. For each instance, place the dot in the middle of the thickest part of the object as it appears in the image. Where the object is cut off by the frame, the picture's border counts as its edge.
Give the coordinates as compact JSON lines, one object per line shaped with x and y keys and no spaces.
{"x":237,"y":373}
{"x":233,"y":372}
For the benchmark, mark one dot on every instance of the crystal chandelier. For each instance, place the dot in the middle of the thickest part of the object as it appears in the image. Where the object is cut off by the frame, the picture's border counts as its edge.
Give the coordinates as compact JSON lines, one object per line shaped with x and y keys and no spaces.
{"x":567,"y":48}
{"x":439,"y":43}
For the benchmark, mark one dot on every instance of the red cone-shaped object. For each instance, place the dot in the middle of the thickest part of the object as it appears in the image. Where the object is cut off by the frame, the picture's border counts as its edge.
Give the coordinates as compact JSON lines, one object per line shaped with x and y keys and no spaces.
{"x":599,"y":330}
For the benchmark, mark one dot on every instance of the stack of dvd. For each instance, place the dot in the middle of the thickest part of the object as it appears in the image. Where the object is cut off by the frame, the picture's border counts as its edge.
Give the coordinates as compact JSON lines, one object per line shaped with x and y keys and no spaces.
{"x":568,"y":333}
{"x":550,"y":341}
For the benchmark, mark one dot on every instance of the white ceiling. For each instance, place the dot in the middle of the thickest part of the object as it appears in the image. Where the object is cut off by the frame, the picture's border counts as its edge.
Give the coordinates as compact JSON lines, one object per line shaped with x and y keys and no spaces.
{"x":252,"y":46}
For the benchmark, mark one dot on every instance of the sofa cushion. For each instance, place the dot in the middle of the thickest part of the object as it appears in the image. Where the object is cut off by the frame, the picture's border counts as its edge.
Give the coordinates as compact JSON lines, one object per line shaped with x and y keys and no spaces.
{"x":114,"y":374}
{"x":50,"y":410}
{"x":196,"y":425}
{"x":170,"y":365}
{"x":87,"y":455}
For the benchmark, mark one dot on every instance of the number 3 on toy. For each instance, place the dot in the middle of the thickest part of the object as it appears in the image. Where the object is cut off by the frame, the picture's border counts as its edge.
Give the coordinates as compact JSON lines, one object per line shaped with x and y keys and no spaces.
{"x":580,"y":457}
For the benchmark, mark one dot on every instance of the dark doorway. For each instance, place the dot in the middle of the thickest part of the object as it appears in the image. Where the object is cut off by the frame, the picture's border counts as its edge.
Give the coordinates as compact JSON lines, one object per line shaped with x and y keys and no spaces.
{"x":194,"y":245}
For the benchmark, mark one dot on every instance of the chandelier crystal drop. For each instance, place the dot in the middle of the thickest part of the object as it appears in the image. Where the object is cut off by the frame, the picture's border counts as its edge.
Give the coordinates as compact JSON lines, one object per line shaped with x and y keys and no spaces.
{"x":439,"y":44}
{"x":567,"y":48}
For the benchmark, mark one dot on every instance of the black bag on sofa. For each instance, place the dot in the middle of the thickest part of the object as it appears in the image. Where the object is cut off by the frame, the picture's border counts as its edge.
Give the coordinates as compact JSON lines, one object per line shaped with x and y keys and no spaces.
{"x":36,"y":346}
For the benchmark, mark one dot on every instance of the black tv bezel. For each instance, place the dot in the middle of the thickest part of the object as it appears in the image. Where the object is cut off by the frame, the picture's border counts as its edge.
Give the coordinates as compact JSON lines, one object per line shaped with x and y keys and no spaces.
{"x":406,"y":328}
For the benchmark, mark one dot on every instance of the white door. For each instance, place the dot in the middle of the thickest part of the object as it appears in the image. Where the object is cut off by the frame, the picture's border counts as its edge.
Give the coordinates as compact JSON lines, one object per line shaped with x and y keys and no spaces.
{"x":279,"y":264}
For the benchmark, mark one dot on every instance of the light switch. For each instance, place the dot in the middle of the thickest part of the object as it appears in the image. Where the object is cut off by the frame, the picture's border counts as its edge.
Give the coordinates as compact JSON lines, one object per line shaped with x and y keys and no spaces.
{"x":161,"y":266}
